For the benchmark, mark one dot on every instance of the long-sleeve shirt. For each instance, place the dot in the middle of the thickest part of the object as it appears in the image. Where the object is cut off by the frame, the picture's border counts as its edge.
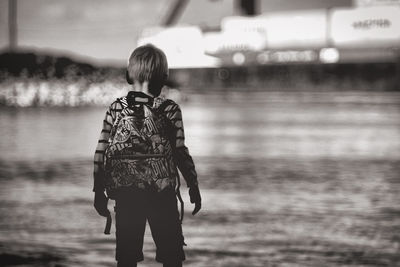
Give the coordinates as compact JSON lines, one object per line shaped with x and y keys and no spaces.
{"x":181,"y":153}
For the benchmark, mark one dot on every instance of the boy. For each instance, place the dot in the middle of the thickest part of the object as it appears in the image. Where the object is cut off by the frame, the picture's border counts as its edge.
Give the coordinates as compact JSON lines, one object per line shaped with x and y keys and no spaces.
{"x":147,"y":198}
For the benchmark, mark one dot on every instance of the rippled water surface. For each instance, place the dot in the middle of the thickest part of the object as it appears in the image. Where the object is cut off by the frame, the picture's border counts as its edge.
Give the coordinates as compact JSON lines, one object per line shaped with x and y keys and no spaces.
{"x":287,"y":179}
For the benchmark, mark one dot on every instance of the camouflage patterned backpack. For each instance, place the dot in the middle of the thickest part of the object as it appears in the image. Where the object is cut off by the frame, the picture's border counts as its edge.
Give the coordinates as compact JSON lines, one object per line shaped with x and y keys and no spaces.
{"x":139,"y":153}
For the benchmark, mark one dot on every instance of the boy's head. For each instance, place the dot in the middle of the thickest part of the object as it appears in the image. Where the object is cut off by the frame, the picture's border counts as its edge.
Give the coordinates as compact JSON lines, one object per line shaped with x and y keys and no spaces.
{"x":148,"y":63}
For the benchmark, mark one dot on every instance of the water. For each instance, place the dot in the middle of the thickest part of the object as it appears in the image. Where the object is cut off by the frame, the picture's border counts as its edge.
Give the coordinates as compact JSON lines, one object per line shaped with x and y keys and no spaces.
{"x":287,"y":179}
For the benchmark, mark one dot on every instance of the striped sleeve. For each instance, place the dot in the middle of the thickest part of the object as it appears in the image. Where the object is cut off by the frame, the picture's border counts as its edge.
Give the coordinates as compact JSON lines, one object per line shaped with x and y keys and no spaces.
{"x":102,"y":144}
{"x":182,"y":156}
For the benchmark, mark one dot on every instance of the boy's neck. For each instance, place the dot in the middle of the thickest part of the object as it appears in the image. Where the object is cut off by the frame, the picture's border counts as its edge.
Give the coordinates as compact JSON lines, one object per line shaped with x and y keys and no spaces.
{"x":142,"y":87}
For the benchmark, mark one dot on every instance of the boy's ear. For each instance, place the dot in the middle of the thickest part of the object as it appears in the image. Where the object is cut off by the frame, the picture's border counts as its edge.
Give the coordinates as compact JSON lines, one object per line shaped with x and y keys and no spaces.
{"x":128,"y":78}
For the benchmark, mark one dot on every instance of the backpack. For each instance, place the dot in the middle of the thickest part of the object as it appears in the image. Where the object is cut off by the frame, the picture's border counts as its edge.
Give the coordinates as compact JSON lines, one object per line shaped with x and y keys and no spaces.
{"x":140,"y":153}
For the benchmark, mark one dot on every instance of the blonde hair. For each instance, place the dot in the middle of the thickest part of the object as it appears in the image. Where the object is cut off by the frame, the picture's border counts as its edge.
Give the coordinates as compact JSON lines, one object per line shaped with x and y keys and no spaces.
{"x":148,"y":63}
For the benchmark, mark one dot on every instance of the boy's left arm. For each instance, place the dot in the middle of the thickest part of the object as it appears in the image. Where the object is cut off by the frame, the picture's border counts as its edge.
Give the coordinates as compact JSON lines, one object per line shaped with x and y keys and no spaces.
{"x":100,"y":199}
{"x":102,"y":144}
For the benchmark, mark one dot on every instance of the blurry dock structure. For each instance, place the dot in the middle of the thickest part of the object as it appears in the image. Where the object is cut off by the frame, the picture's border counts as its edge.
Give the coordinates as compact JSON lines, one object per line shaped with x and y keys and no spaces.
{"x":249,"y":7}
{"x":356,"y":42}
{"x":246,"y":7}
{"x":12,"y":24}
{"x":174,"y":12}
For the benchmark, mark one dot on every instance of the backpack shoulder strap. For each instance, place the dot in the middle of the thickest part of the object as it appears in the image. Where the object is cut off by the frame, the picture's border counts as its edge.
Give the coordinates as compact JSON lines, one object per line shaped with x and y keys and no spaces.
{"x":171,"y":136}
{"x":164,"y":104}
{"x":124,"y":105}
{"x":161,"y":109}
{"x":123,"y":102}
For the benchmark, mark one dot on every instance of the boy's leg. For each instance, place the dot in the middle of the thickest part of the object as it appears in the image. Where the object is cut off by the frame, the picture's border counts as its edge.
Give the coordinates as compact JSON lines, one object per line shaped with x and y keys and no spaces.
{"x":130,"y":223}
{"x":126,"y":264}
{"x":166,"y":228}
{"x":178,"y":264}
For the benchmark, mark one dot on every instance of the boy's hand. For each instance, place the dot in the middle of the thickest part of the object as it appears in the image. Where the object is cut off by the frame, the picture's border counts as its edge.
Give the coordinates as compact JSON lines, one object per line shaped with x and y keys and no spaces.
{"x":100,"y":204}
{"x":195,"y":198}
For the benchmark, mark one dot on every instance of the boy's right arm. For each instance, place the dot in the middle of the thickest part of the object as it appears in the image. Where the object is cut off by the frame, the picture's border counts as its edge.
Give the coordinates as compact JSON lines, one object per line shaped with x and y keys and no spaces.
{"x":181,"y":152}
{"x":182,"y":157}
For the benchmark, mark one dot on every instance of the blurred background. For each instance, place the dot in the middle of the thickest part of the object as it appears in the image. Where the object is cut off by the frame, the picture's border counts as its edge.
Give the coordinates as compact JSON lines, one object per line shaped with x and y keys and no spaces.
{"x":291,"y":112}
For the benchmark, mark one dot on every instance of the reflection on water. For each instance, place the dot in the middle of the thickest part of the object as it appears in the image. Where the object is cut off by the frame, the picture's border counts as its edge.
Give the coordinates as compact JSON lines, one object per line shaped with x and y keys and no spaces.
{"x":287,"y":179}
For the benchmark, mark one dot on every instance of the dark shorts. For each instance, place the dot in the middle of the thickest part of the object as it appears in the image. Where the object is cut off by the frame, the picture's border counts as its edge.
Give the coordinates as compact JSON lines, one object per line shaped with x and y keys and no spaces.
{"x":136,"y":206}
